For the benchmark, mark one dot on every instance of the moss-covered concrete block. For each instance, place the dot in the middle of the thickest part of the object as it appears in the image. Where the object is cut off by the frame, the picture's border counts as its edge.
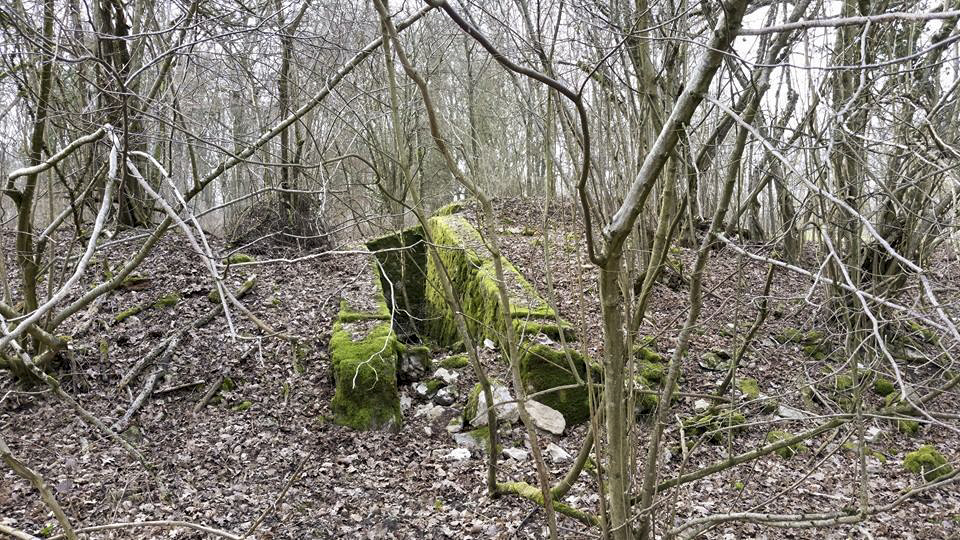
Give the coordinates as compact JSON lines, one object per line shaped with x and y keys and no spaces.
{"x":543,"y":368}
{"x":468,"y":263}
{"x":364,"y":358}
{"x":401,"y":269}
{"x":367,"y":301}
{"x":450,"y":209}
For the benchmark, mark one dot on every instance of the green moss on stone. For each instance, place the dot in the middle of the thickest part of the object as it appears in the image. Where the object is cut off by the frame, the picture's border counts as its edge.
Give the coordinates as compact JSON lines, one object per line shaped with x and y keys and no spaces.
{"x":363,"y":355}
{"x":647,"y":401}
{"x":749,"y":388}
{"x":473,"y":400}
{"x":786,"y":452}
{"x":450,"y":209}
{"x":242,"y":406}
{"x":651,"y":371}
{"x":482,"y":436}
{"x":927,"y":462}
{"x":543,"y":368}
{"x":455,"y":362}
{"x":167,"y":300}
{"x":527,"y":328}
{"x":434,"y":384}
{"x":883,"y":387}
{"x":645,"y":353}
{"x":842,"y":383}
{"x":789,"y":335}
{"x":908,"y":427}
{"x":127,"y":313}
{"x":921,"y":333}
{"x":240,"y":258}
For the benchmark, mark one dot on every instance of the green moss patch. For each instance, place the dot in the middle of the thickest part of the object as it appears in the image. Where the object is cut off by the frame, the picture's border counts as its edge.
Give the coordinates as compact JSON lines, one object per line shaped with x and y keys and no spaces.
{"x":167,"y":300}
{"x":434,"y":384}
{"x":920,"y":333}
{"x":459,"y":361}
{"x":908,"y":427}
{"x":927,"y":462}
{"x":127,"y":313}
{"x":242,"y":406}
{"x":750,"y":388}
{"x":645,"y":352}
{"x":527,"y":328}
{"x":647,"y":396}
{"x":842,"y":383}
{"x":883,"y":387}
{"x":450,"y":209}
{"x":715,"y":360}
{"x":543,"y":368}
{"x":240,"y":258}
{"x":785,"y":452}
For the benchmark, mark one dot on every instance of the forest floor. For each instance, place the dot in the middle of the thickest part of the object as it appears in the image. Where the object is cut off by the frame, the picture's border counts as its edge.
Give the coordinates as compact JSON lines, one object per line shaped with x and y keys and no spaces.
{"x":229,"y":463}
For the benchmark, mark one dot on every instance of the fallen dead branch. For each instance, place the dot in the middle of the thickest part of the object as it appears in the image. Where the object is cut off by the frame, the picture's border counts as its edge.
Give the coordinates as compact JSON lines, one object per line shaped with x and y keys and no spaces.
{"x":123,"y":423}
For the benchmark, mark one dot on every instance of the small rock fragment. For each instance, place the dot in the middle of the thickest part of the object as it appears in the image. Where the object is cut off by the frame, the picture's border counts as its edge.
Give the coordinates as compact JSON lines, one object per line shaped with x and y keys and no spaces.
{"x":446,"y":396}
{"x":557,"y":454}
{"x":545,"y":417}
{"x":506,"y":406}
{"x":518,"y":454}
{"x":458,"y":454}
{"x":788,"y":412}
{"x":449,"y":377}
{"x":455,"y":425}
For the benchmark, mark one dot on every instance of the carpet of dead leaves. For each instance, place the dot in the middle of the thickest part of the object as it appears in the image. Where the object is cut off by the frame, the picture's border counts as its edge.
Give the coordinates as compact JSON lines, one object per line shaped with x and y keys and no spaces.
{"x":232,"y":461}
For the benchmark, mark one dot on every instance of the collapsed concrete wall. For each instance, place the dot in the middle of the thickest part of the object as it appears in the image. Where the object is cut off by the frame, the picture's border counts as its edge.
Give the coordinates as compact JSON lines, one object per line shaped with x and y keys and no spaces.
{"x":403,"y":306}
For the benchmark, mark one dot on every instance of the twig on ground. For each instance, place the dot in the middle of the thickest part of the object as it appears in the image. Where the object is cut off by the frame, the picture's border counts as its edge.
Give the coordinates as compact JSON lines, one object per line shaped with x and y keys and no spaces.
{"x":123,"y":423}
{"x":208,"y":395}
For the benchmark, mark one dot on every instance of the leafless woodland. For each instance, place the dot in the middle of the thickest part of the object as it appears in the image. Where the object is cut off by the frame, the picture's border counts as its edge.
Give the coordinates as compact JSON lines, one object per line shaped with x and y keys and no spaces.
{"x":774,"y":184}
